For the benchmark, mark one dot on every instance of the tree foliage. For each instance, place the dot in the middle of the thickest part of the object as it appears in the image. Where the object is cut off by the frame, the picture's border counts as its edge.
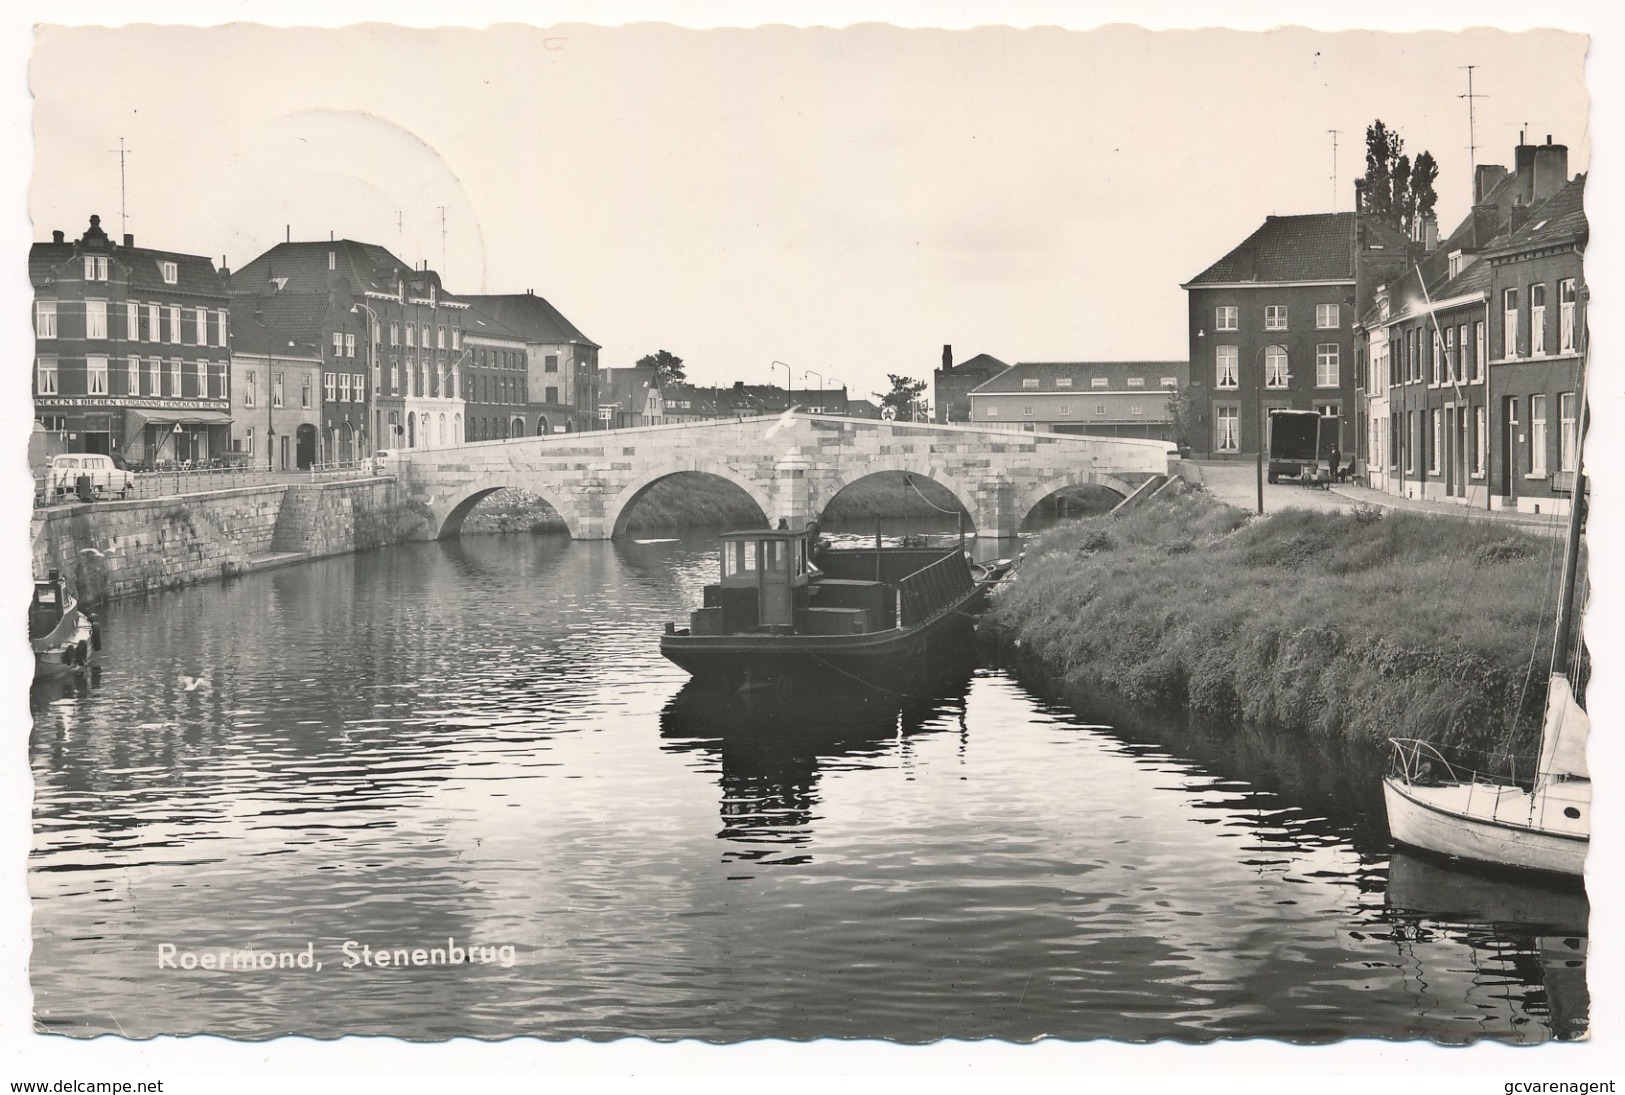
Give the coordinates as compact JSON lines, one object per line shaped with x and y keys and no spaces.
{"x":905,"y":396}
{"x":1181,"y":415}
{"x":667,"y":366}
{"x":1395,"y":188}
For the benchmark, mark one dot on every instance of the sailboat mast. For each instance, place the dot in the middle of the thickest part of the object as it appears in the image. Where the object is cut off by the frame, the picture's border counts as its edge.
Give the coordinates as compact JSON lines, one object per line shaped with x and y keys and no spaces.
{"x":1567,"y":631}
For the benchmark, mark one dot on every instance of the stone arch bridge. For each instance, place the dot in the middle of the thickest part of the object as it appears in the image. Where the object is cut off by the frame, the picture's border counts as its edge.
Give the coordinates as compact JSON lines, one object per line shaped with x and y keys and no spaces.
{"x":790,"y":465}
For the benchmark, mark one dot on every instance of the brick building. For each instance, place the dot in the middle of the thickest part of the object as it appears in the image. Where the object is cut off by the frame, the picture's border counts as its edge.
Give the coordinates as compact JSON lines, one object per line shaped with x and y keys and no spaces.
{"x":561,"y":363}
{"x":952,"y":384}
{"x":1102,"y":398}
{"x":496,"y":382}
{"x":131,"y":349}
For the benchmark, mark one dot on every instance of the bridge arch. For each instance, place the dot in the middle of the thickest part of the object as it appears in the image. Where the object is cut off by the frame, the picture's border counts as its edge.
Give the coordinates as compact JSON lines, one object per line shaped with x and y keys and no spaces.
{"x":617,"y":511}
{"x":452,"y":524}
{"x":961,"y":490}
{"x":1028,"y":500}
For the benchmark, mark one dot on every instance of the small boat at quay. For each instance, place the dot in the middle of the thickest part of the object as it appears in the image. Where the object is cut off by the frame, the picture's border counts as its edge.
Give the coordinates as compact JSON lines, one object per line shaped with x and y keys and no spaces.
{"x":1538,"y":824}
{"x":790,"y":608}
{"x":63,"y":637}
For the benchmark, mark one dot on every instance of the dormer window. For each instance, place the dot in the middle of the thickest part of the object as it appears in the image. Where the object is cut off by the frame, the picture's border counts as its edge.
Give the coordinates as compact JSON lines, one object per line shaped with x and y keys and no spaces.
{"x":95,"y":267}
{"x":1457,"y":261}
{"x":172,"y":273}
{"x":1136,"y":382}
{"x":1099,"y":382}
{"x":1063,"y":382}
{"x":332,"y":260}
{"x":1029,"y":382}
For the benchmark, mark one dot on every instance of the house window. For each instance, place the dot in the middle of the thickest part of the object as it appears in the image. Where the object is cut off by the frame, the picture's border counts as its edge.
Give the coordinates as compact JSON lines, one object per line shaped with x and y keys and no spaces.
{"x":1435,"y":357}
{"x":1275,"y":317}
{"x":1456,"y":263}
{"x":220,"y":327}
{"x":1537,"y":319}
{"x":96,"y":375}
{"x":154,"y":333}
{"x":174,"y":378}
{"x":1227,"y":429}
{"x":1275,"y":374}
{"x":1464,"y":368}
{"x":45,"y":374}
{"x":993,"y":410}
{"x":222,"y":373}
{"x":95,"y":267}
{"x":276,"y":389}
{"x":1100,"y":408}
{"x":1509,"y":330}
{"x":1537,"y":435}
{"x":132,"y":321}
{"x":329,"y":386}
{"x":1136,"y":382}
{"x":1328,"y":317}
{"x":1226,"y":317}
{"x":1451,"y":373}
{"x":170,"y":271}
{"x":1225,"y":375}
{"x":1099,"y":382}
{"x":305,"y":391}
{"x":394,"y":375}
{"x":552,"y":395}
{"x":332,"y":260}
{"x":1436,"y":437}
{"x":203,"y":380}
{"x":1135,"y":408}
{"x":394,"y":333}
{"x":1170,"y":382}
{"x":550,"y":363}
{"x":349,"y":345}
{"x":95,"y":319}
{"x":155,"y":368}
{"x":1481,"y":436}
{"x":175,"y":324}
{"x":45,"y":319}
{"x":344,"y":385}
{"x":1478,"y":350}
{"x":456,"y":338}
{"x":1029,"y":382}
{"x":1327,"y":365}
{"x":358,"y":385}
{"x":1565,"y":316}
{"x":202,"y":322}
{"x":1027,"y":409}
{"x":410,"y":334}
{"x":440,"y":336}
{"x":338,"y":344}
{"x":1063,"y":382}
{"x":1568,"y":439}
{"x":248,"y":440}
{"x":132,"y":376}
{"x":1066,"y":408}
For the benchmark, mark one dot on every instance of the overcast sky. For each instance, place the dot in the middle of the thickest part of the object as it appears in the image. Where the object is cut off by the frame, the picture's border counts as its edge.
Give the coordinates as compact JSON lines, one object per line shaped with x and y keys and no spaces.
{"x":843,"y":200}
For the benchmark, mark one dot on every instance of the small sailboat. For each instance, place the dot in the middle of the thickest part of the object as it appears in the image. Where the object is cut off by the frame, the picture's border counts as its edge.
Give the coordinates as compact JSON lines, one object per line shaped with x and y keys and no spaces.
{"x":1544,"y":825}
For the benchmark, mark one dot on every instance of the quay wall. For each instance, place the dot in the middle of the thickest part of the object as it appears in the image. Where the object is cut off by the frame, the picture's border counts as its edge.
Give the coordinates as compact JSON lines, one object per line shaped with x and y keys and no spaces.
{"x":117,"y":549}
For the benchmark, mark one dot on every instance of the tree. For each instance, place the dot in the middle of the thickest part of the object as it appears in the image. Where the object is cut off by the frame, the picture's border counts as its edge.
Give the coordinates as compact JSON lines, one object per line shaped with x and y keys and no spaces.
{"x":667,"y":366}
{"x":1394,"y":188}
{"x":904,"y":397}
{"x":1181,"y":415}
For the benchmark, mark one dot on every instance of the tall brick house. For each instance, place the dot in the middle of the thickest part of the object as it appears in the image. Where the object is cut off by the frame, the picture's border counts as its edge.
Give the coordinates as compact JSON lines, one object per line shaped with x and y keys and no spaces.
{"x":131,"y":349}
{"x":952,"y":384}
{"x":561,"y":362}
{"x":1272,"y":326}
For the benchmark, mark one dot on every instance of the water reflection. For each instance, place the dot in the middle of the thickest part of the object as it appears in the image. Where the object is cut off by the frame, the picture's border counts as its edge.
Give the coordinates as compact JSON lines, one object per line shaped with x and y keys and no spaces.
{"x":770,"y":748}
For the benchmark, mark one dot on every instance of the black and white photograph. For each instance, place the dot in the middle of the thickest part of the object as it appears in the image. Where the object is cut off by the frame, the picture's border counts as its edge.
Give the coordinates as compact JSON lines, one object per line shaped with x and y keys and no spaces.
{"x":1071,"y":537}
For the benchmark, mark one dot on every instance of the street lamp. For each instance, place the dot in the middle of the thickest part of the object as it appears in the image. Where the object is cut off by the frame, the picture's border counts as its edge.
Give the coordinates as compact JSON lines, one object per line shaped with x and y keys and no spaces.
{"x":789,"y":382}
{"x":1258,"y":410}
{"x":805,"y":373}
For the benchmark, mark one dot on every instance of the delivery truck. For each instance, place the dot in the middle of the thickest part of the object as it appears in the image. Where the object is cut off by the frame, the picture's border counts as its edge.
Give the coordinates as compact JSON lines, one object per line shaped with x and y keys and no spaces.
{"x":1303,"y":446}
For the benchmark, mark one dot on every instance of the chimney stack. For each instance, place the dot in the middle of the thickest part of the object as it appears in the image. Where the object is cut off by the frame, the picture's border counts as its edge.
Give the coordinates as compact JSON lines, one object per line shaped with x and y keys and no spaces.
{"x":1486,"y":178}
{"x":57,"y":236}
{"x":1551,"y":171}
{"x":129,"y":239}
{"x":947,"y":358}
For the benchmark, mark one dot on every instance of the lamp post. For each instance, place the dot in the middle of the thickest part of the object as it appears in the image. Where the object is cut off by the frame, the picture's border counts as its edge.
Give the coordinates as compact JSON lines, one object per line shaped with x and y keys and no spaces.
{"x":789,"y":382}
{"x":805,"y":373}
{"x":372,"y":374}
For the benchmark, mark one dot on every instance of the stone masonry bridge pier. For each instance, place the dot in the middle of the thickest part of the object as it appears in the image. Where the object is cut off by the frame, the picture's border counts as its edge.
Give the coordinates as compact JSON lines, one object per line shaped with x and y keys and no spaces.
{"x":791,"y":465}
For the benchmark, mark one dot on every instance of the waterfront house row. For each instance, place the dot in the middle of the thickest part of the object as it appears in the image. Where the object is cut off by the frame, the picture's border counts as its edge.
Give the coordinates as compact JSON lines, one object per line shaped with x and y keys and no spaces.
{"x":313,"y":352}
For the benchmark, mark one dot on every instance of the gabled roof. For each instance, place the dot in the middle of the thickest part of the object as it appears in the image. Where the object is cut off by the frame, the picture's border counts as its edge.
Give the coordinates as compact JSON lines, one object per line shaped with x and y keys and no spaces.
{"x":627,"y":387}
{"x":532,"y":316}
{"x":195,"y":275}
{"x":981,"y":363}
{"x":1305,"y":247}
{"x":477,"y":323}
{"x":303,"y":266}
{"x":1082,"y":375}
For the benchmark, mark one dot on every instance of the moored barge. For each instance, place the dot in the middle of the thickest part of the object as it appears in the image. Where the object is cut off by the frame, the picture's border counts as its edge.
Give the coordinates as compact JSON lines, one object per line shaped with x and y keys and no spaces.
{"x":790,"y":608}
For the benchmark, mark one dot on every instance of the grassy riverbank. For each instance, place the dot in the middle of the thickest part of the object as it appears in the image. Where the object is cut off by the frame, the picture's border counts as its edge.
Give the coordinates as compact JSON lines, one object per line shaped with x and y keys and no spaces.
{"x":1360,"y":626}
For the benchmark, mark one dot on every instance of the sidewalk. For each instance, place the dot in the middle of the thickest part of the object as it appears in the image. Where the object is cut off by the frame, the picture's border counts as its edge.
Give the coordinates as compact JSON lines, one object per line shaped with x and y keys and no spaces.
{"x":1236,"y":482}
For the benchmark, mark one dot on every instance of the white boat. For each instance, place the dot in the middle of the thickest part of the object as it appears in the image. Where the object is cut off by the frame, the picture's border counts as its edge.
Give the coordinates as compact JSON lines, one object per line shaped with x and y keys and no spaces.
{"x":1439,"y":807}
{"x":63,"y":637}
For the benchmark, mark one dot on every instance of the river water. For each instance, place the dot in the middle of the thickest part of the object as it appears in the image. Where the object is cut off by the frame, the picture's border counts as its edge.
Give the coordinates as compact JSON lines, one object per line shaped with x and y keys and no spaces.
{"x":479,"y":742}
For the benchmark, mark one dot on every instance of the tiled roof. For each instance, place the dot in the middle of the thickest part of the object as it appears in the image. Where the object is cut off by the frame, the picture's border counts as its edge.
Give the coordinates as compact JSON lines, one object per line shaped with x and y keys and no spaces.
{"x":1558,"y":219}
{"x":478,"y":323}
{"x":291,"y":322}
{"x":195,"y":275}
{"x":1306,"y":247}
{"x":304,"y":265}
{"x":1082,"y":374}
{"x":529,"y":314}
{"x":981,"y":363}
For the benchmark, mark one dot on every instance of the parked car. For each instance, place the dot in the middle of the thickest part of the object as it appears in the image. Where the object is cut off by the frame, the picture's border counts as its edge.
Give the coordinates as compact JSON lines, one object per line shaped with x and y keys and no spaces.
{"x":63,"y":474}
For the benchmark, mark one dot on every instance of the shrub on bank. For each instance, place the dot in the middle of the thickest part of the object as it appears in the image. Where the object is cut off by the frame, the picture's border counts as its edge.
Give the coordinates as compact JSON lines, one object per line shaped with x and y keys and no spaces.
{"x":1363,"y":625}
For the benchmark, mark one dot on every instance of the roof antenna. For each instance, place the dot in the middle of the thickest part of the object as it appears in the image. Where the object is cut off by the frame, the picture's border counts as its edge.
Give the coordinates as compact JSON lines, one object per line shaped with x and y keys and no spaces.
{"x":1334,"y":134}
{"x":442,"y":241}
{"x":1472,"y":146}
{"x":123,"y":216}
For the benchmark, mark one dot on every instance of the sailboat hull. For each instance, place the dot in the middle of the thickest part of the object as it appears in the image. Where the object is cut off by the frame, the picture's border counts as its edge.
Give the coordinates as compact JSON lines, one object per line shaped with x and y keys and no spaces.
{"x":1503,"y":826}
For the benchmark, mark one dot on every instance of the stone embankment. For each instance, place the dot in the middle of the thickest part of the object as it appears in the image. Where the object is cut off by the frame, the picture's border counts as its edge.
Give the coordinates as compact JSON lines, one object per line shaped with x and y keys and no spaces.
{"x":117,"y":549}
